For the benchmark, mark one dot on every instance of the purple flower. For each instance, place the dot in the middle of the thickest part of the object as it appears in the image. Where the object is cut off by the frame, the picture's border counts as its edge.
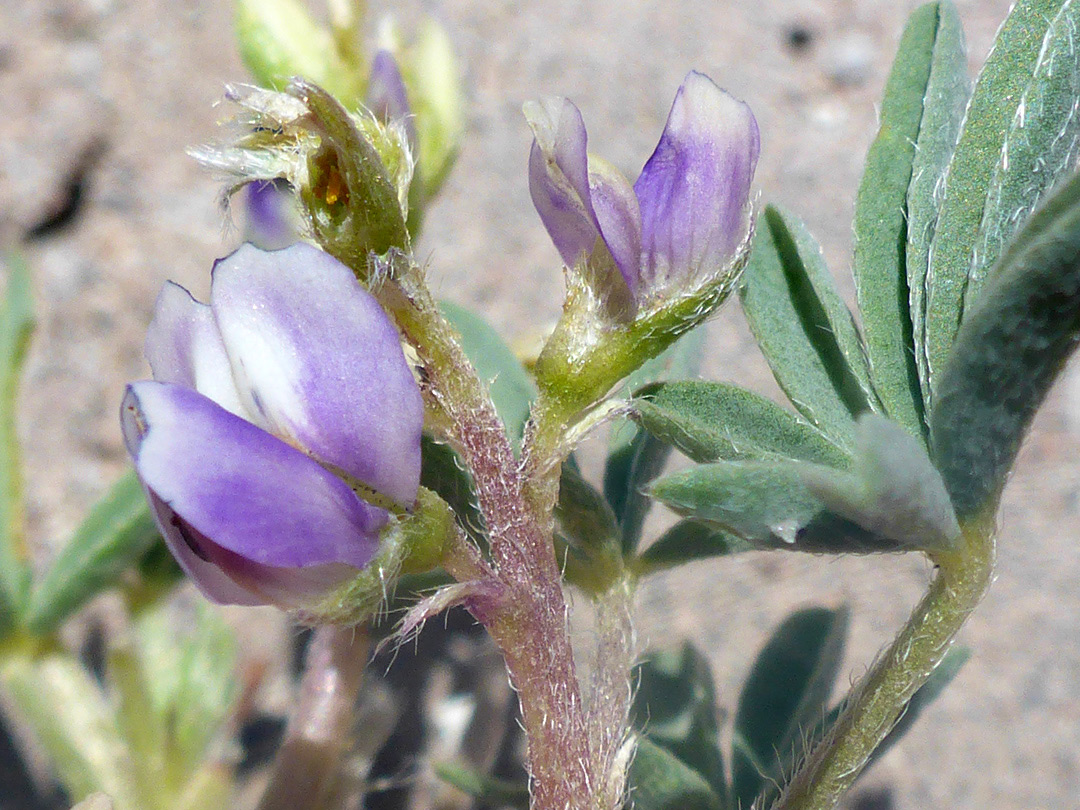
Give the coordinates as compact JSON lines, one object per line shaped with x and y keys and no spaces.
{"x":387,"y":96}
{"x":265,"y":401}
{"x":685,"y":219}
{"x":271,"y":221}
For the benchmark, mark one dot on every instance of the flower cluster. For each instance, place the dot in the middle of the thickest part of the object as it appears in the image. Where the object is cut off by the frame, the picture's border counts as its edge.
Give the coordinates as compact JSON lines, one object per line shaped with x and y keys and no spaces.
{"x":283,"y":424}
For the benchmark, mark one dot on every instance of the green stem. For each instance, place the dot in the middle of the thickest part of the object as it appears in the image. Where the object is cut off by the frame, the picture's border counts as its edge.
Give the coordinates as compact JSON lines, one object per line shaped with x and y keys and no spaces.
{"x":545,"y":451}
{"x":74,"y":723}
{"x":879,"y":699}
{"x":16,"y":326}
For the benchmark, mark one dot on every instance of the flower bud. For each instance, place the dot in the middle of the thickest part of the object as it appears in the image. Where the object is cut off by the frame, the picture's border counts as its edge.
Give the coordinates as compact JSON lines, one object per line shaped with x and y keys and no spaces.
{"x":352,"y":172}
{"x":387,"y":96}
{"x":414,"y":87}
{"x":438,"y":101}
{"x":278,"y":39}
{"x":681,"y":226}
{"x":645,"y":262}
{"x":420,"y":82}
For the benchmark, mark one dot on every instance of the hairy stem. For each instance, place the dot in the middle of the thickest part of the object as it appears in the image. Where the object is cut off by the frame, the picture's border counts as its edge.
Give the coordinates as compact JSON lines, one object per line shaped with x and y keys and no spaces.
{"x":611,"y":694}
{"x":319,"y":731}
{"x":520,"y":548}
{"x":529,"y":622}
{"x":554,"y":430}
{"x":879,"y":699}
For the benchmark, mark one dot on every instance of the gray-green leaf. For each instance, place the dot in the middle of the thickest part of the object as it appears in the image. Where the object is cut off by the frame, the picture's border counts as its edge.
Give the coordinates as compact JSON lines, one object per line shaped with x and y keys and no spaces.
{"x":142,"y":728}
{"x":629,"y":470}
{"x":1039,"y":148}
{"x":891,"y":499}
{"x":1007,"y":354}
{"x":947,"y":93}
{"x":893,"y":489}
{"x":766,"y":504}
{"x":483,"y":788}
{"x":659,"y":780}
{"x":75,"y":725}
{"x":585,"y":518}
{"x":994,"y":103}
{"x":112,"y":538}
{"x":443,"y":472}
{"x":634,"y":457}
{"x":208,"y":684}
{"x":710,"y":421}
{"x":926,"y":694}
{"x":880,"y":264}
{"x":16,"y":326}
{"x":190,"y":674}
{"x":686,"y":541}
{"x":803,"y":327}
{"x":675,"y":707}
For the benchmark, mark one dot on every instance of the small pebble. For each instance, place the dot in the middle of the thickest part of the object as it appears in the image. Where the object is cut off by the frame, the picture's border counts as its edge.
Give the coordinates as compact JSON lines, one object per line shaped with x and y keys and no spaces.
{"x":799,"y":39}
{"x":850,"y":59}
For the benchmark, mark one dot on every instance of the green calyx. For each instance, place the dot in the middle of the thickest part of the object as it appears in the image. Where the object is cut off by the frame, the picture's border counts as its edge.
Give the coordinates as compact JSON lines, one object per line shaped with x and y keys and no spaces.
{"x":355,"y":181}
{"x":590,"y":352}
{"x":425,"y":534}
{"x":411,"y":544}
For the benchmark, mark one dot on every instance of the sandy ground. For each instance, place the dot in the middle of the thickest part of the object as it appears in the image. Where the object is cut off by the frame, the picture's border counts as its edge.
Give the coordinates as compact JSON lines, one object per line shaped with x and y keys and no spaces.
{"x":140,"y":79}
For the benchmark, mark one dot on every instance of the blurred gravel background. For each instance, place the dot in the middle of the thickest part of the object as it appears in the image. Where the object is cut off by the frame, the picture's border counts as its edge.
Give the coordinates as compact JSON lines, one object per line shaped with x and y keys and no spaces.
{"x":99,"y":99}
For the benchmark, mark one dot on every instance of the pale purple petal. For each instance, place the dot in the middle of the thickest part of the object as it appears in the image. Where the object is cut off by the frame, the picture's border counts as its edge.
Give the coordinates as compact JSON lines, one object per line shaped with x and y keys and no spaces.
{"x":694,"y":189}
{"x":270,"y":219}
{"x":183,"y":347}
{"x":247,"y":582}
{"x":231,"y":579}
{"x":285,"y":587}
{"x":387,"y":96}
{"x":559,"y":177}
{"x":208,"y":576}
{"x":215,"y":475}
{"x":616,"y":208}
{"x":315,"y":355}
